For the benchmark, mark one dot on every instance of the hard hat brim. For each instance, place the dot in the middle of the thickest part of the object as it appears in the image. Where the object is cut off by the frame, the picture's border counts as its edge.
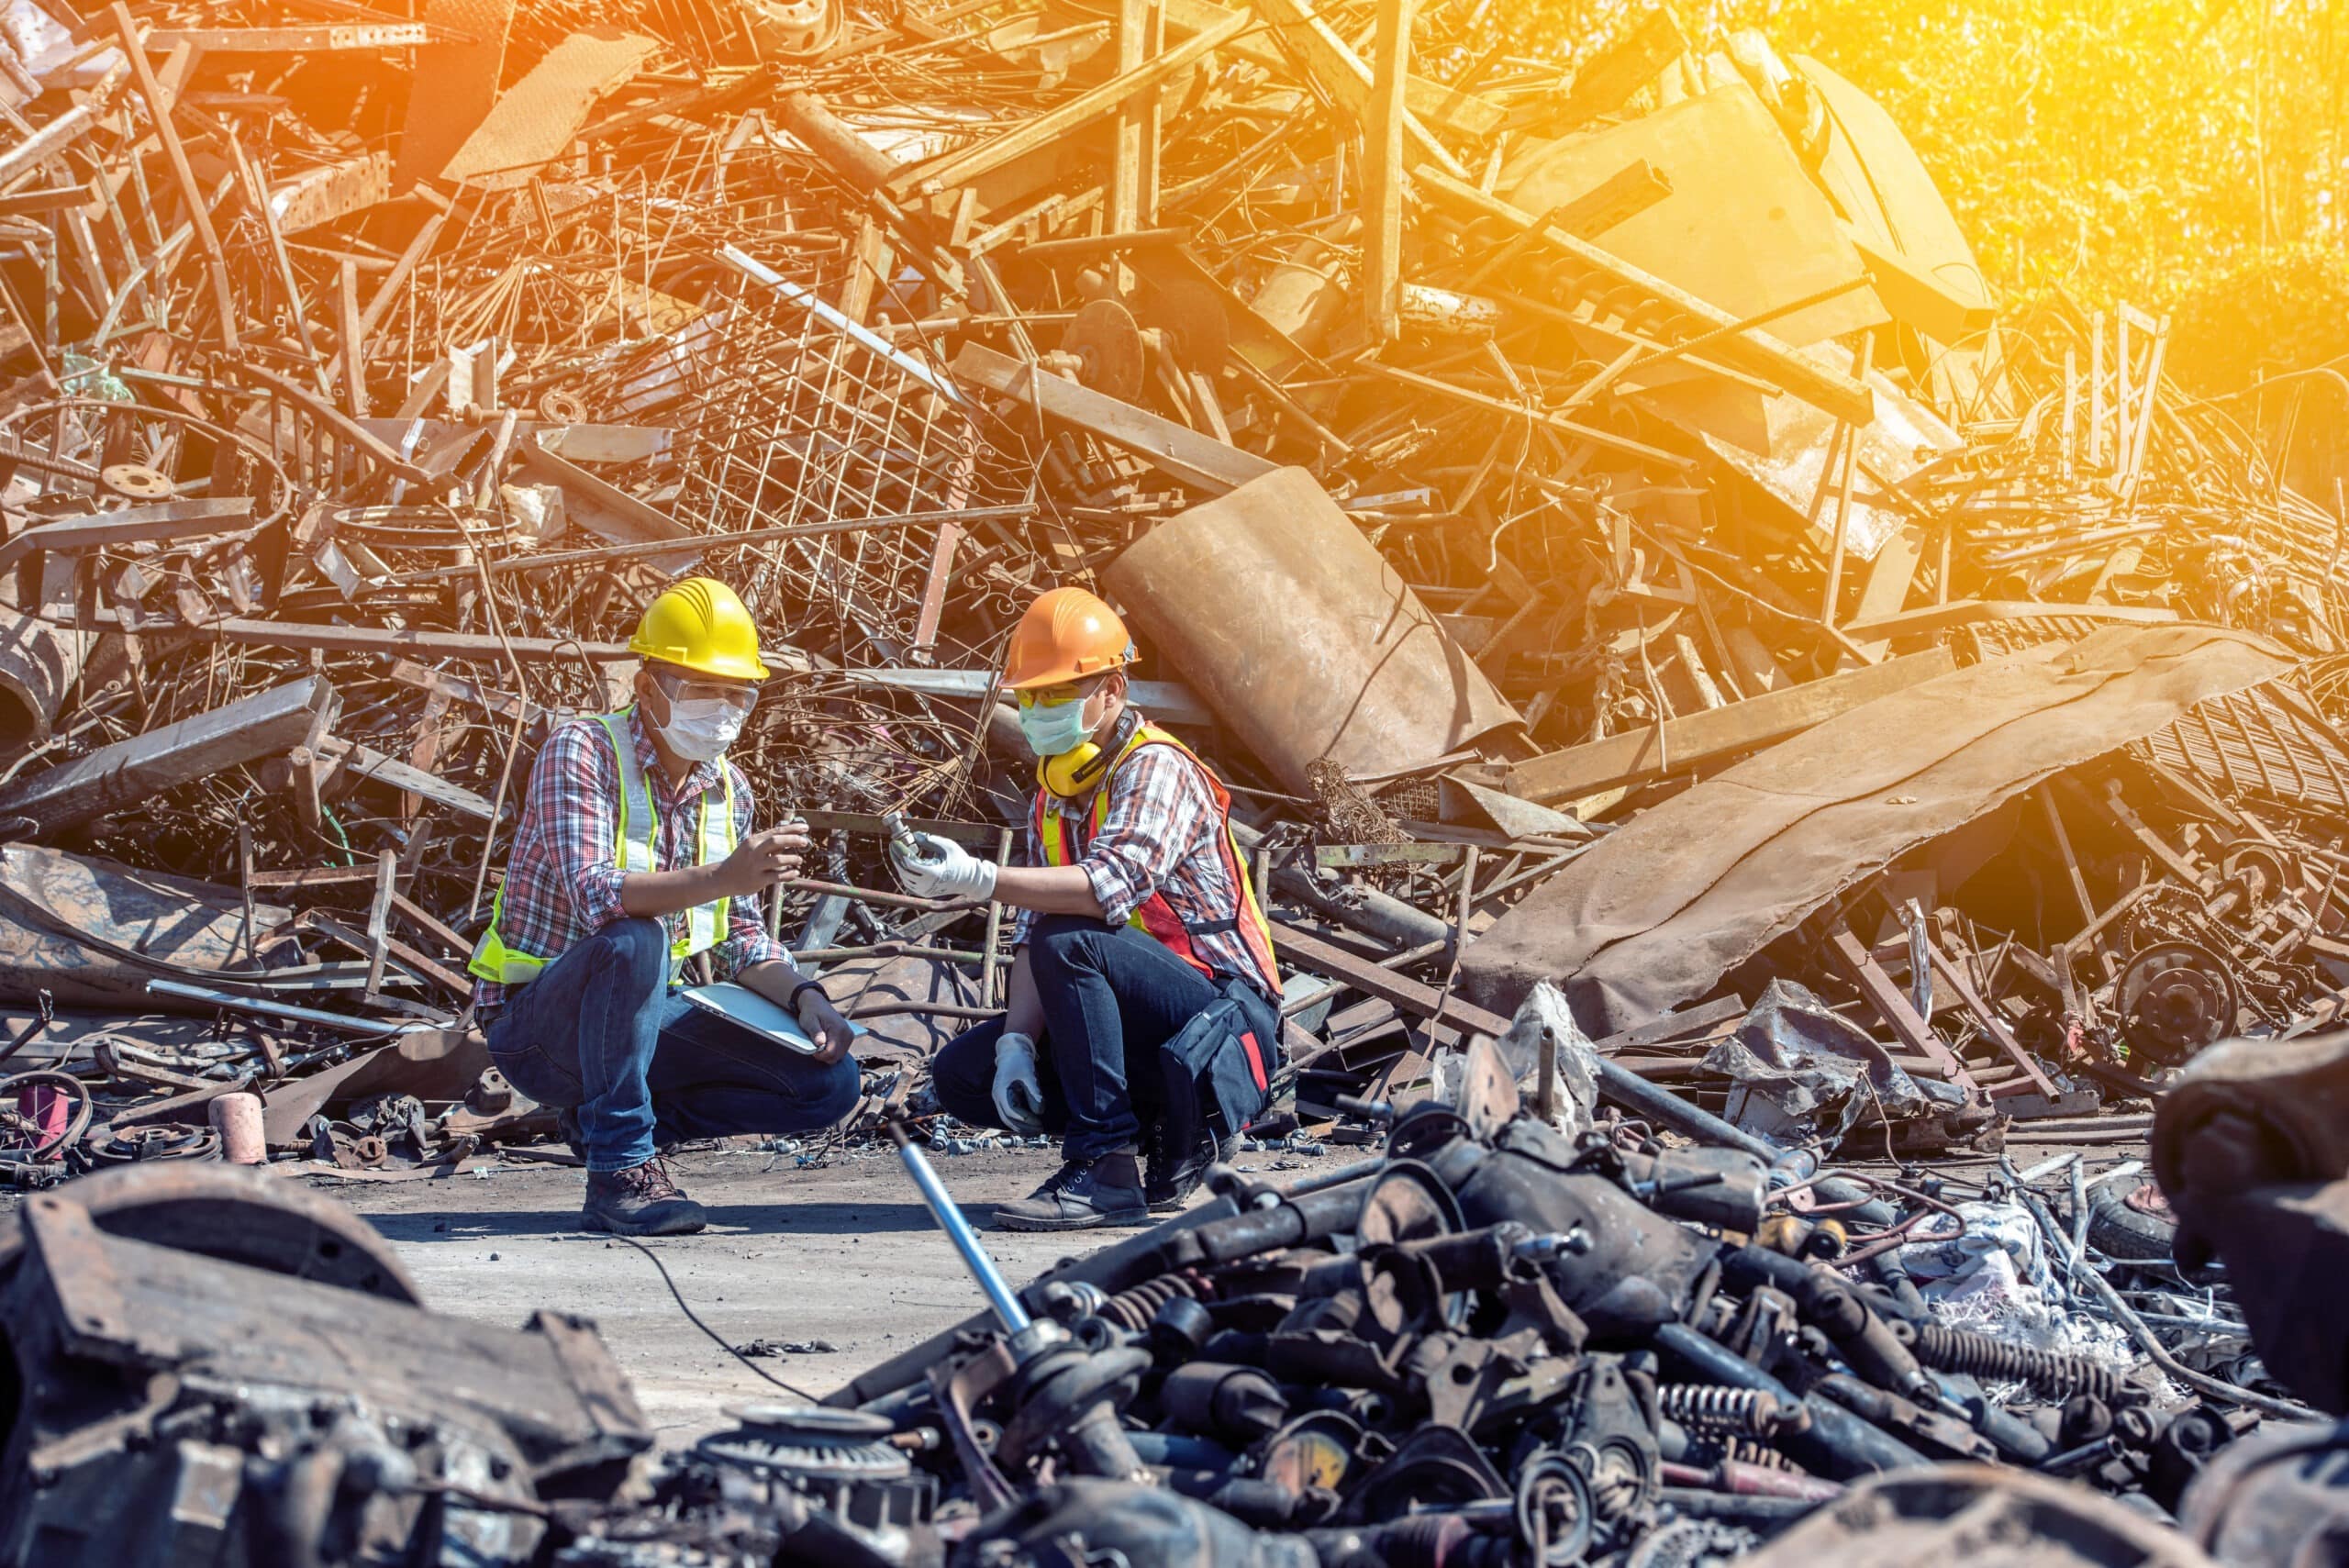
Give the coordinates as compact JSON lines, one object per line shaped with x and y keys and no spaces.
{"x":726,"y":666}
{"x":1059,"y":675}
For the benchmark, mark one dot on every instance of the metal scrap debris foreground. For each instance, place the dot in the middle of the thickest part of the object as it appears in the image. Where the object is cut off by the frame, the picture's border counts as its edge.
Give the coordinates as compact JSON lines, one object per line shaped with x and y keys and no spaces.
{"x":1597,"y":516}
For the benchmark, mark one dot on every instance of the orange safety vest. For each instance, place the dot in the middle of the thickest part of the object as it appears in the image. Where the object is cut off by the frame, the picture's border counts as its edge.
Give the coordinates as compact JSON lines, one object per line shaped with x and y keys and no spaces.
{"x":1056,"y":831}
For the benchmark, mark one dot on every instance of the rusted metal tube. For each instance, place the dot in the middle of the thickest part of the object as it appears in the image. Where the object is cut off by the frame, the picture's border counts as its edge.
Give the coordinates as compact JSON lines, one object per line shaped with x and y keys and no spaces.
{"x":1295,"y":632}
{"x":38,"y":665}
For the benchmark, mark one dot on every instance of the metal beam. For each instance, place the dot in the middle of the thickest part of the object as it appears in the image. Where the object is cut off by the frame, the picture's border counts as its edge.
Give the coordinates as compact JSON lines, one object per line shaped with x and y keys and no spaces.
{"x":129,"y":772}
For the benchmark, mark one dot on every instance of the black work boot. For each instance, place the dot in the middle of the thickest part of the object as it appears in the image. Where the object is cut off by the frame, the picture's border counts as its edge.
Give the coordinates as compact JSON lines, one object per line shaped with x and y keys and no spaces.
{"x":1081,"y":1195}
{"x":567,"y":1127}
{"x":640,"y":1201}
{"x":1169,"y":1182}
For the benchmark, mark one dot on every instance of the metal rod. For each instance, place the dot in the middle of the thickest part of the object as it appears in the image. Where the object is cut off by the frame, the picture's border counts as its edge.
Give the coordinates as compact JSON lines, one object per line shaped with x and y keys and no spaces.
{"x":1008,"y":1310}
{"x":274,"y":1009}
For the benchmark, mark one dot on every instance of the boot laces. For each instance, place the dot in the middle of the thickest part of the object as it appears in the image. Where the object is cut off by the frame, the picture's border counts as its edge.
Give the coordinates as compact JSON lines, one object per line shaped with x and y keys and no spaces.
{"x":651,"y":1180}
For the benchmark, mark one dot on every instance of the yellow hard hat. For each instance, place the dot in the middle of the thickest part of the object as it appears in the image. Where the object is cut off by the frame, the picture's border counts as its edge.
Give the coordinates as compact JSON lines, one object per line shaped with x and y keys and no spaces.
{"x":702,"y":625}
{"x":1066,"y":635}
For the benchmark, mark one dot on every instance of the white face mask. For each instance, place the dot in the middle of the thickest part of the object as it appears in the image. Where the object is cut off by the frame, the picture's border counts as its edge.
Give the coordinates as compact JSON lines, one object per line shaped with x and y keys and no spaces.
{"x":699,"y":730}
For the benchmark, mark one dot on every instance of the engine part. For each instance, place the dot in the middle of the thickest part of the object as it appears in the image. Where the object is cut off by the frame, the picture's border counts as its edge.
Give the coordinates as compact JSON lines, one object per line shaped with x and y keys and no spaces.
{"x":1747,"y":1412}
{"x":174,"y":1408}
{"x":2175,"y":998}
{"x":837,"y":1459}
{"x":1947,"y":1348}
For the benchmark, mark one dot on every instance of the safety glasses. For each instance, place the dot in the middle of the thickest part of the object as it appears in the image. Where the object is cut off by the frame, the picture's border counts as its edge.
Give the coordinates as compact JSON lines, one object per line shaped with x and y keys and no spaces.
{"x":1059,"y":697}
{"x":742,"y":696}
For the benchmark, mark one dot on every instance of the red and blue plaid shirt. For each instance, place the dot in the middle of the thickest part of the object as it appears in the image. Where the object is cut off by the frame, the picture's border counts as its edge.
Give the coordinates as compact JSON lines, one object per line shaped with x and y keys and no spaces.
{"x":1158,"y":836}
{"x":562,"y":877}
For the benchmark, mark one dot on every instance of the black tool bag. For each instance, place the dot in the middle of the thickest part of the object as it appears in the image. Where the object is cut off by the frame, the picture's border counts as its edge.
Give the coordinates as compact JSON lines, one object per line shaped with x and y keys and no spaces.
{"x":1218,"y":1072}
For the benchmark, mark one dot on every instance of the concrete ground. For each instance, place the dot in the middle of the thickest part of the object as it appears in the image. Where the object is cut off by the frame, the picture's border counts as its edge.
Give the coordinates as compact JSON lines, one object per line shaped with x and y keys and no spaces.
{"x":845,"y":1254}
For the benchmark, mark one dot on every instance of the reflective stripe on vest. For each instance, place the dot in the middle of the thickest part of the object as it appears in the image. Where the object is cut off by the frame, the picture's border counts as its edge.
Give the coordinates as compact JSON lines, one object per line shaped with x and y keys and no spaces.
{"x":633,"y":854}
{"x":1055,"y":831}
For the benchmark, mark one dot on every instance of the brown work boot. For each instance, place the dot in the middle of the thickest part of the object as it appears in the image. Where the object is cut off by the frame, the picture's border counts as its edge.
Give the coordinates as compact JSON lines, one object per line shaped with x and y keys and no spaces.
{"x":1081,"y":1195}
{"x":640,"y":1201}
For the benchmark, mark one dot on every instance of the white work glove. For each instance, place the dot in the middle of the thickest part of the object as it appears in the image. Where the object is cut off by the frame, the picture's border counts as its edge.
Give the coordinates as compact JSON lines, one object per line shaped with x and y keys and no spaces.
{"x":931,"y":867}
{"x":1019,"y":1093}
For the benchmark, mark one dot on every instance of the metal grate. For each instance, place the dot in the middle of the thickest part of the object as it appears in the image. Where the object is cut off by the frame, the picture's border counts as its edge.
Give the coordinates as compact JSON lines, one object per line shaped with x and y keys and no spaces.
{"x":2266,"y":741}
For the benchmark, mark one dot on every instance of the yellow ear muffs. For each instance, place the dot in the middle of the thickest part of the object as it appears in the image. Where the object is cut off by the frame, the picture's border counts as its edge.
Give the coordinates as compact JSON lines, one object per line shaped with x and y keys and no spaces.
{"x":1076,"y":771}
{"x":1072,"y":773}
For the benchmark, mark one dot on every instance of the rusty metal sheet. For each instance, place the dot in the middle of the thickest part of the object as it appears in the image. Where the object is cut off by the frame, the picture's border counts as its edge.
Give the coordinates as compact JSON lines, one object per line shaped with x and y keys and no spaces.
{"x":536,"y":119}
{"x":1661,"y":908}
{"x":332,"y":190}
{"x":1798,"y":440}
{"x":1293,"y":628}
{"x":46,"y":894}
{"x":1732,"y":173}
{"x":453,"y":85}
{"x":1885,"y":190}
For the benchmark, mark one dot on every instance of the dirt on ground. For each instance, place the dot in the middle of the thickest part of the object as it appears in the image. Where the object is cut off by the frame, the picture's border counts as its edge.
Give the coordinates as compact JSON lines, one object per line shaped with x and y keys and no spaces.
{"x":844,"y":1254}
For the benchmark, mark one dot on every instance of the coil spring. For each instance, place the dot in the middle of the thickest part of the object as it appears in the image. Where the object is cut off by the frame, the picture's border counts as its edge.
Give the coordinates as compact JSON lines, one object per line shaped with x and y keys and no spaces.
{"x":1747,"y":1412}
{"x":1751,"y":1451}
{"x":1132,"y":1310}
{"x":1947,"y":1349}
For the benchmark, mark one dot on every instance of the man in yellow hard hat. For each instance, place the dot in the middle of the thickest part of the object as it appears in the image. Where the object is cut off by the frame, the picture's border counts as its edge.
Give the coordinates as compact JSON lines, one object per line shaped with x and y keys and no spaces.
{"x":636,"y":852}
{"x":1142,"y":1010}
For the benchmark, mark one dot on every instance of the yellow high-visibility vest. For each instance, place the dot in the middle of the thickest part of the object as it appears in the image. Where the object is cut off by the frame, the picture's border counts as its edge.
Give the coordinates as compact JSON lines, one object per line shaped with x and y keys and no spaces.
{"x":640,"y":827}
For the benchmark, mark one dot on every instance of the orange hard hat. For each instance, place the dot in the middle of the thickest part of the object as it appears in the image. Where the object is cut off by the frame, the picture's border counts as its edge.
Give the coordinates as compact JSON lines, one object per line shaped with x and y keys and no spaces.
{"x":1066,"y":635}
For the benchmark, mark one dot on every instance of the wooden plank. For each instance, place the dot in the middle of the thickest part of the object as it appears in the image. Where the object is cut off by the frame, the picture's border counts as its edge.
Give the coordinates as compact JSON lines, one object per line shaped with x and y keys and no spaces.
{"x":1892,"y":1005}
{"x":1954,"y":975}
{"x":1327,"y":58}
{"x":960,"y":168}
{"x":264,"y":725}
{"x":1382,"y":135}
{"x":1199,"y":460}
{"x":1717,"y":734}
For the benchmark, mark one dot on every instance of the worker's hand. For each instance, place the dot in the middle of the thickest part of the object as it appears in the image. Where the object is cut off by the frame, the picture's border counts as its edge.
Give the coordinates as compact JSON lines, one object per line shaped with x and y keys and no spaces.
{"x":825,"y":1026}
{"x":764,"y":857}
{"x":931,"y":867}
{"x":1019,"y":1093}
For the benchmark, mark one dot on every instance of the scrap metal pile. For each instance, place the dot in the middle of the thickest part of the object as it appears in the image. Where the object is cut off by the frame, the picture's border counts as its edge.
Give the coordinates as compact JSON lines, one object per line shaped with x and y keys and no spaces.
{"x":1485,"y":450}
{"x":1510,"y":1339}
{"x":1650,"y":611}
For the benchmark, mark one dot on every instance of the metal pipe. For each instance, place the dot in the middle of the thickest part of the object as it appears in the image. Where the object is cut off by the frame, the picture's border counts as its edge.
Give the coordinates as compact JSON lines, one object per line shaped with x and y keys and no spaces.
{"x":274,"y":1009}
{"x":1008,"y":1310}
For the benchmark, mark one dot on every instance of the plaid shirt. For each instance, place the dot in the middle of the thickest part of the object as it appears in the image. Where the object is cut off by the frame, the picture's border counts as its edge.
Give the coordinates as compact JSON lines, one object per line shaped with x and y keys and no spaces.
{"x":563,"y":878}
{"x":1159,"y":836}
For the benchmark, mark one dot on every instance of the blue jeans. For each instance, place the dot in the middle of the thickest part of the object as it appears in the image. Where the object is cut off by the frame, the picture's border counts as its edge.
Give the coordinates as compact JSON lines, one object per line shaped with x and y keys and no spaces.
{"x":1112,"y":995}
{"x":599,"y":1030}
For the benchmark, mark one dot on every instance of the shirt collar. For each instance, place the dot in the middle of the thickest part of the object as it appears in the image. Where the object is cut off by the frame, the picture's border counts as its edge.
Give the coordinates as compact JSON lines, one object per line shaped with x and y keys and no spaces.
{"x":703,"y":778}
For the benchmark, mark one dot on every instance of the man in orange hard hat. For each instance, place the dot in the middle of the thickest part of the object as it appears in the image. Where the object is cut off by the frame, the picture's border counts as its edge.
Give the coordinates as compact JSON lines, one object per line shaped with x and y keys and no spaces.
{"x":1142,"y":1007}
{"x":635,"y":853}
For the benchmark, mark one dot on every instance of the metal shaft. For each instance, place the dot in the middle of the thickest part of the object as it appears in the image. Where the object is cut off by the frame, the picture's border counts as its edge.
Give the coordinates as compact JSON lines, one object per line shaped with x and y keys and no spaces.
{"x":999,"y":1292}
